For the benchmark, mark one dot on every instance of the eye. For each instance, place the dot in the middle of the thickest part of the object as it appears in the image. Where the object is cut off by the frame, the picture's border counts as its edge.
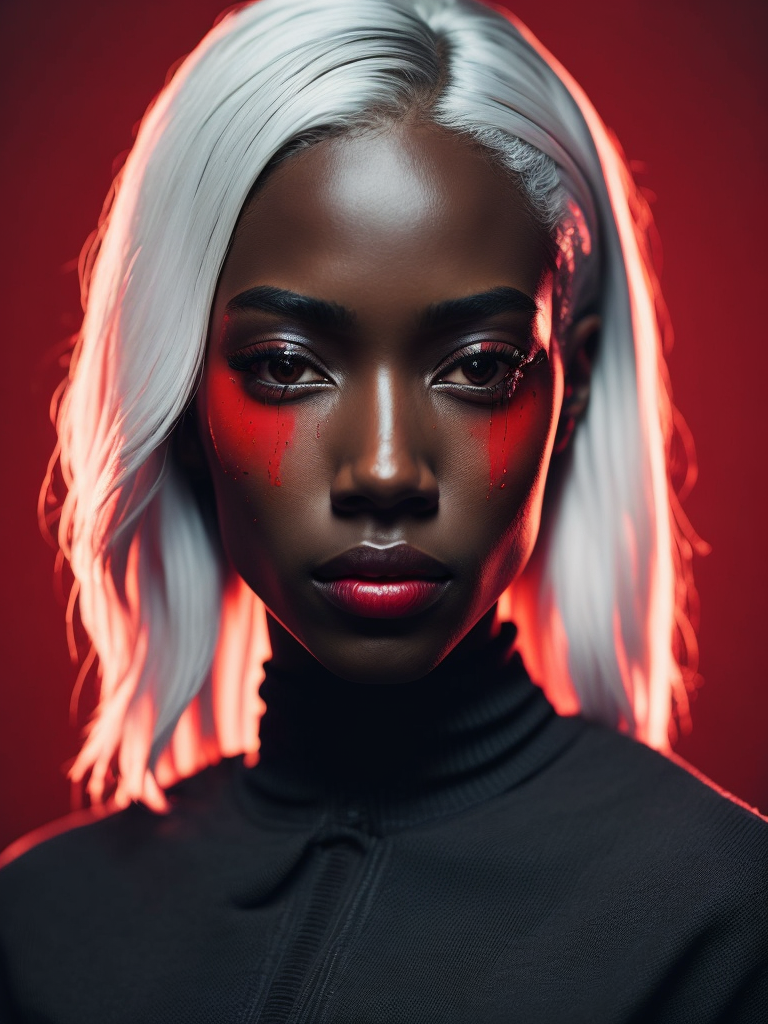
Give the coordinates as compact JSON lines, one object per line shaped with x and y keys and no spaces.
{"x":486,"y":366}
{"x":285,"y":369}
{"x":277,"y":367}
{"x":480,"y":370}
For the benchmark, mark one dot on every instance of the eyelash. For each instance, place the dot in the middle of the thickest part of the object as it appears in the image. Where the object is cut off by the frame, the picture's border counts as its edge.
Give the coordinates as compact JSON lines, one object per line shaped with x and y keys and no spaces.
{"x":503,"y":353}
{"x":246,"y":360}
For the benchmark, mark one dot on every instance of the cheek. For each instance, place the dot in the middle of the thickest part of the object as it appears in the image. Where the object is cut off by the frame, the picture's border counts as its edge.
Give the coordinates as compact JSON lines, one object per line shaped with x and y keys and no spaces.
{"x":249,"y":438}
{"x":515,"y":441}
{"x":515,"y":438}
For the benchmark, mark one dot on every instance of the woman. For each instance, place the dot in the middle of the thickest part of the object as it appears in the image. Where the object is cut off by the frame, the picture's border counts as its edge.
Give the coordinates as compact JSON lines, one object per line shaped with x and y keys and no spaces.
{"x":371,"y":341}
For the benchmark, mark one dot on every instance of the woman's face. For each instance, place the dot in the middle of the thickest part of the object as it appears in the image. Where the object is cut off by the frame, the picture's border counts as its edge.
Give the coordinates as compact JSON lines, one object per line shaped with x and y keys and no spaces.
{"x":380,"y":396}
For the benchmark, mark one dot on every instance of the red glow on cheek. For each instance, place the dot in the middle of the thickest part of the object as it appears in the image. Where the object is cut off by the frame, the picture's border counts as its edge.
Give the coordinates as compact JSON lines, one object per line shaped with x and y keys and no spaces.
{"x":509,"y":432}
{"x":249,"y":437}
{"x":283,"y":425}
{"x":498,"y":446}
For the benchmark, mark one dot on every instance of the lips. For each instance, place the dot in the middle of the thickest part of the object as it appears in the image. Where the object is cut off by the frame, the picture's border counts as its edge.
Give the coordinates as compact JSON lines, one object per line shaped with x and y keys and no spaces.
{"x":369,"y":562}
{"x":382,"y":582}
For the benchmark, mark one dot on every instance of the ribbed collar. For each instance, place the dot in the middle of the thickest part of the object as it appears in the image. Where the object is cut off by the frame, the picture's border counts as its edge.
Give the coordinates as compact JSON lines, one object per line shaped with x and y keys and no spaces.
{"x":389,"y":756}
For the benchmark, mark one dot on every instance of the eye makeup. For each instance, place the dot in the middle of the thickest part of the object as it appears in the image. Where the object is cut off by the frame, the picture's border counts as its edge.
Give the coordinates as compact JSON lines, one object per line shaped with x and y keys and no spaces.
{"x":284,"y":371}
{"x":275,"y":370}
{"x":492,"y":370}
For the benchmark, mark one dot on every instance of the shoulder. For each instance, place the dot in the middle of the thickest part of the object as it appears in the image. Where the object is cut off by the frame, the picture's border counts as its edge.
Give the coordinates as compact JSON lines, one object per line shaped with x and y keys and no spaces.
{"x":652,"y":865}
{"x":610,"y":766}
{"x":659,"y":797}
{"x":58,"y":866}
{"x":647,"y":833}
{"x":102,"y":901}
{"x":662,"y":834}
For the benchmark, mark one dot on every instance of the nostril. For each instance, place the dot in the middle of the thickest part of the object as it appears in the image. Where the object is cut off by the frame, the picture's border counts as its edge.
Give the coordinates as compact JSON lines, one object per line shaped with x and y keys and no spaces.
{"x":398,"y":504}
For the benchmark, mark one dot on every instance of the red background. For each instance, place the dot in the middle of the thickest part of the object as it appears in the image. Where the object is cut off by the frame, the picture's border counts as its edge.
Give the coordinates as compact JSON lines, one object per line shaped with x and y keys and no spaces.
{"x":683,"y":85}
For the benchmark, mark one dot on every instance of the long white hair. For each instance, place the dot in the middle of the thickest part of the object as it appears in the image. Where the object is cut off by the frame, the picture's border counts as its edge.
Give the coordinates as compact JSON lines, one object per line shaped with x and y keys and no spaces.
{"x":179,"y":638}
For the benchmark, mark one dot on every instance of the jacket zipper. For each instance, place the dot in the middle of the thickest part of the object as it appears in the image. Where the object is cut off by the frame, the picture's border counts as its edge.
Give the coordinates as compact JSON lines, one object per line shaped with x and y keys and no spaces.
{"x":313,"y":1002}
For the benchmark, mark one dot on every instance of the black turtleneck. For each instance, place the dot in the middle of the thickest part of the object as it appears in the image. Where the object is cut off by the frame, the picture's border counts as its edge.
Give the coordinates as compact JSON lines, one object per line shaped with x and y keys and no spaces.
{"x":448,"y":850}
{"x":403,"y":754}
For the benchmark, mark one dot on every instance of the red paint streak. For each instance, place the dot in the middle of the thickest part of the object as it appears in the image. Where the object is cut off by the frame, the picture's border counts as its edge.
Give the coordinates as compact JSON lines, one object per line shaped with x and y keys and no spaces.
{"x":510,"y":423}
{"x":273,"y":466}
{"x":250,"y":436}
{"x":499,"y":436}
{"x":498,"y":430}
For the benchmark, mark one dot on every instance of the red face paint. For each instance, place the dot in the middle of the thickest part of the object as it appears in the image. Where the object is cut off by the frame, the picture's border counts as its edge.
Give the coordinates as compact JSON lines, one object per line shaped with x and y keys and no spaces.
{"x":249,"y":436}
{"x":498,"y":427}
{"x":284,"y":423}
{"x":510,"y":422}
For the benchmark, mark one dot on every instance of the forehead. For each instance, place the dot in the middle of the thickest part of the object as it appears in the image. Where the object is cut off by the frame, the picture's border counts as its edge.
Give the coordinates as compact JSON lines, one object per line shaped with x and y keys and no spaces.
{"x":412,"y":208}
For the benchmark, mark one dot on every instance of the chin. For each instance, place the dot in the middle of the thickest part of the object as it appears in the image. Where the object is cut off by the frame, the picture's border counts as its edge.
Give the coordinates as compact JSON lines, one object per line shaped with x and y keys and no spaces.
{"x":374,"y":662}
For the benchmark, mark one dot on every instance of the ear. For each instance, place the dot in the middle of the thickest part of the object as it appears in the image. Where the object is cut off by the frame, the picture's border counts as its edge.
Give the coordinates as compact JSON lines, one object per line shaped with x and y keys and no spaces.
{"x":582,"y":343}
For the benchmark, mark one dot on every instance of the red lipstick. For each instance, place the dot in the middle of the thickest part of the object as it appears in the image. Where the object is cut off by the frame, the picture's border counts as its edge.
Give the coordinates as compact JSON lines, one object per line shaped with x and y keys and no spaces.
{"x":382,"y":583}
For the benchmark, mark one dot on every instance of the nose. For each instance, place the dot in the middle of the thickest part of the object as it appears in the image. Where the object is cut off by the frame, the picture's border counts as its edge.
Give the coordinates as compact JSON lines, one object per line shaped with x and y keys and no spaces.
{"x":384,"y":466}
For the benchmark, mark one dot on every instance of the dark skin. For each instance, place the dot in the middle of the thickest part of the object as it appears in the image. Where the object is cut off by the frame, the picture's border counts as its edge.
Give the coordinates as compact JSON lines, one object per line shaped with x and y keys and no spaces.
{"x":382,"y":416}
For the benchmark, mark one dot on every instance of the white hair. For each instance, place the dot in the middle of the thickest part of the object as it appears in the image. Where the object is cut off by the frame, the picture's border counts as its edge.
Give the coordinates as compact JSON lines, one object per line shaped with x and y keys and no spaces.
{"x":179,"y":638}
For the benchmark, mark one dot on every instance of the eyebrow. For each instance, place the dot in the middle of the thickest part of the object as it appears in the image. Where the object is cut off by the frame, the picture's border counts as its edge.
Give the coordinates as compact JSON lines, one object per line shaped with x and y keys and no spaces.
{"x":482,"y":306}
{"x":332,"y":316}
{"x":281,"y":302}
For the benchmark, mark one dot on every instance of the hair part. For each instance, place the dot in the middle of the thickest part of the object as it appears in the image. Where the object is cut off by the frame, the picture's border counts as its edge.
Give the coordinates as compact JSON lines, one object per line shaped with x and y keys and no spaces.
{"x":180,"y":639}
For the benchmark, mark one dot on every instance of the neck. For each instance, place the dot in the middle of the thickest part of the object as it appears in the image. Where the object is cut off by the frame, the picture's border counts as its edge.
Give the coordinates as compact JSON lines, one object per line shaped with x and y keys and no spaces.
{"x":461,"y":733}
